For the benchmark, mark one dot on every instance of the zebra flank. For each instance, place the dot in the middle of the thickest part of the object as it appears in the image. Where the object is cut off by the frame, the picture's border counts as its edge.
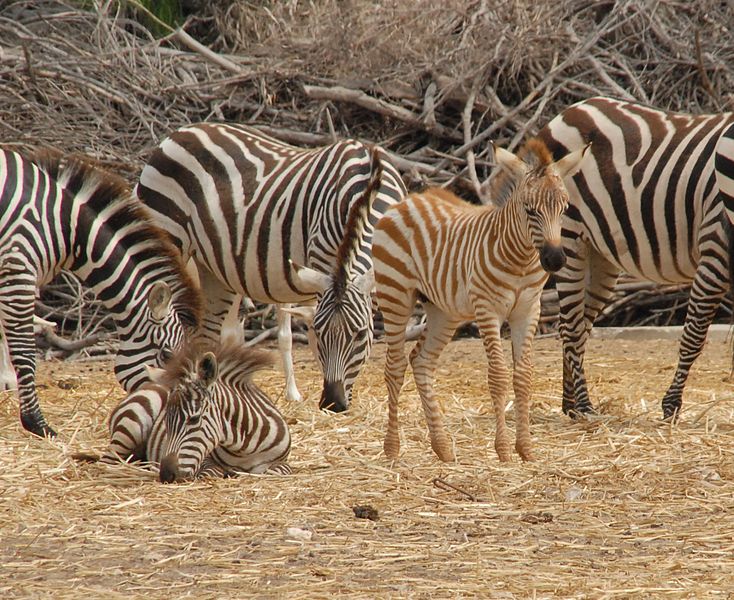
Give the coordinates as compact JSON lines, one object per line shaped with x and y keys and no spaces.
{"x":204,"y":416}
{"x":61,"y":213}
{"x":275,"y":223}
{"x":647,"y":203}
{"x":465,"y":262}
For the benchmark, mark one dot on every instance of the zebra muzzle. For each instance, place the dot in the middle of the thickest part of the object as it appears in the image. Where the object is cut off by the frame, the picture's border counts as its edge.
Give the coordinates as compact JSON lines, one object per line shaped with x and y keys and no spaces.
{"x":552,"y":257}
{"x":333,"y":397}
{"x":169,"y":469}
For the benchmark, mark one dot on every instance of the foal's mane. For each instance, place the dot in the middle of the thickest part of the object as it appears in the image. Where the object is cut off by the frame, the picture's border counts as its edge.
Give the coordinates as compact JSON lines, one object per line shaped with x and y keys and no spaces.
{"x":535,"y":154}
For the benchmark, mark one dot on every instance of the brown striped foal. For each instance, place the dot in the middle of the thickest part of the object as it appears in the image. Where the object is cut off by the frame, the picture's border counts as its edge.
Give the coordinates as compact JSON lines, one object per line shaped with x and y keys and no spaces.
{"x":466,"y":262}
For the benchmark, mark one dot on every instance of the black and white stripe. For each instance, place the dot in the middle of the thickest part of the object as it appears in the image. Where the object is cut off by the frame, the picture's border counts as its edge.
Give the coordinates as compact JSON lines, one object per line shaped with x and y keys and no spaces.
{"x":204,"y":417}
{"x":66,"y":215}
{"x":646,"y":203}
{"x":245,"y":205}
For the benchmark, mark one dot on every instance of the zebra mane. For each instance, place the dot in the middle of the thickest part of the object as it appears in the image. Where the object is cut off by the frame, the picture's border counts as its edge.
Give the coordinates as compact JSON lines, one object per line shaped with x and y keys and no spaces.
{"x":354,"y":229}
{"x":502,"y":185}
{"x":236,"y":363}
{"x":107,"y":191}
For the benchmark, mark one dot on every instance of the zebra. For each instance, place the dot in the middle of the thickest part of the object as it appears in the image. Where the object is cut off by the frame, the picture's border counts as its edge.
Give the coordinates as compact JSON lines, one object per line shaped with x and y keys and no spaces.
{"x":269,"y":221}
{"x":202,"y":416}
{"x":724,"y":168}
{"x":63,"y":214}
{"x":645,"y":203}
{"x":467,"y":262}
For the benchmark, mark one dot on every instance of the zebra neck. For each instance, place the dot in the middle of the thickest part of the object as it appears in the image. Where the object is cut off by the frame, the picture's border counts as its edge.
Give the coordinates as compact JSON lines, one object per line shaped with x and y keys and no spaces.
{"x":507,"y":229}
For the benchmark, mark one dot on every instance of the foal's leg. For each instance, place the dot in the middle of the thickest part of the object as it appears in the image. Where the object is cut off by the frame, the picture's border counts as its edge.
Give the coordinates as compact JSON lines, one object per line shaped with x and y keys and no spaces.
{"x":219,"y":302}
{"x":523,"y":324}
{"x":497,"y":376}
{"x":285,"y":345}
{"x":438,"y":332}
{"x":396,"y":313}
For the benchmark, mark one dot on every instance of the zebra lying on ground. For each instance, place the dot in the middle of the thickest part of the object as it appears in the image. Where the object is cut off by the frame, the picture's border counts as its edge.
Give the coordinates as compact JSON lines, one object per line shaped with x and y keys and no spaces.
{"x":243,"y":205}
{"x":465,"y":262}
{"x":203,"y":416}
{"x":646,"y":203}
{"x":66,"y":215}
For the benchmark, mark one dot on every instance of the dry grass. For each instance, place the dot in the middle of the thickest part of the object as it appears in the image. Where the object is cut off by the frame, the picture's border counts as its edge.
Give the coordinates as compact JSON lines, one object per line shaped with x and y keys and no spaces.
{"x":624,"y":506}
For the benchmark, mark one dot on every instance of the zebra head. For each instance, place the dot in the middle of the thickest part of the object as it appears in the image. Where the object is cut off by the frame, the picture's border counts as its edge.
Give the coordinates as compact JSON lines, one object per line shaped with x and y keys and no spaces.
{"x":536,"y":184}
{"x":157,"y":332}
{"x":191,"y":420}
{"x":342,"y":322}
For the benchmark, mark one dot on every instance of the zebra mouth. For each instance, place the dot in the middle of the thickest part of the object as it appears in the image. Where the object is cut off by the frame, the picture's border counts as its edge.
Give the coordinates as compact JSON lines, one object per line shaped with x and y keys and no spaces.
{"x":552,"y":258}
{"x":333,"y":397}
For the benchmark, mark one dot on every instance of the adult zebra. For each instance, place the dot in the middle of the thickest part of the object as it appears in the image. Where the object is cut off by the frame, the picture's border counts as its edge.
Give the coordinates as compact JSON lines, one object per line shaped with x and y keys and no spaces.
{"x":646,"y":203}
{"x":244,"y":205}
{"x":66,"y":215}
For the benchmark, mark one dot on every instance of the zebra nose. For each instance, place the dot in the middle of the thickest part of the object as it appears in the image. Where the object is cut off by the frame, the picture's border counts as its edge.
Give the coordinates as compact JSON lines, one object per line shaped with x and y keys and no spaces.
{"x":333,"y":397}
{"x":169,"y":469}
{"x":552,"y":258}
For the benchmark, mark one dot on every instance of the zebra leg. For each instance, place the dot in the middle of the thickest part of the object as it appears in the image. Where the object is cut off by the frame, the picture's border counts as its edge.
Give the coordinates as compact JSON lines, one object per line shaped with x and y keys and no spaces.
{"x":17,"y":298}
{"x":584,"y":286}
{"x":497,"y":377}
{"x":438,"y":332}
{"x":709,"y":287}
{"x":523,"y":325}
{"x":7,"y":373}
{"x":221,"y":302}
{"x":395,"y":316}
{"x":285,"y":345}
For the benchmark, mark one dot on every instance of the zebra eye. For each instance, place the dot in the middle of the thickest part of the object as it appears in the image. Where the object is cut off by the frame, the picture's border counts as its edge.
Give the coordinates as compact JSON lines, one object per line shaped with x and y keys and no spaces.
{"x":166,"y":354}
{"x":532,"y":212}
{"x":193,"y":419}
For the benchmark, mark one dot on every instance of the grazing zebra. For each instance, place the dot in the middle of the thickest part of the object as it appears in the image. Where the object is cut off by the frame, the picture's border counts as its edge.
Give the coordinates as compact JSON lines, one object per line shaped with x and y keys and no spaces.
{"x":203,"y":417}
{"x":70,"y":216}
{"x":244,"y":205}
{"x":469,"y":262}
{"x":645,"y":203}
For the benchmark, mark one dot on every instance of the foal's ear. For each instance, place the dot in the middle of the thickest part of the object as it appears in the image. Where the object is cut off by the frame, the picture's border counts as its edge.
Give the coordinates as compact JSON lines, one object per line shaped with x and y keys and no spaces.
{"x":302,"y":312}
{"x":569,"y":165}
{"x":308,"y":280}
{"x":159,"y":301}
{"x":509,"y":162}
{"x":207,"y":369}
{"x":155,"y":374}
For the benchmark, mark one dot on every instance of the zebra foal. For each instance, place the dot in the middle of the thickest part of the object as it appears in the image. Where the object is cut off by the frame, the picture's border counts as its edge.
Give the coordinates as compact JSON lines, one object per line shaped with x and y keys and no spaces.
{"x":269,"y":221}
{"x":645,"y":202}
{"x":202,"y":416}
{"x":63,"y":214}
{"x":467,"y":262}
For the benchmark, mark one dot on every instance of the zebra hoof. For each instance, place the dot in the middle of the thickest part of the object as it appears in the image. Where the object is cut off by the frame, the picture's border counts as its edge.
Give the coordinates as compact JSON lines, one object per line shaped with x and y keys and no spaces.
{"x":581,"y":411}
{"x":41,"y":430}
{"x":671,"y":415}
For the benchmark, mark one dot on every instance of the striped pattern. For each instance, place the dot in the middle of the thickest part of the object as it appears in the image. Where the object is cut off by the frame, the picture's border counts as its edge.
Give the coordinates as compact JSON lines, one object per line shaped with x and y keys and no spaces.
{"x":724,"y":166}
{"x":67,"y":215}
{"x":245,"y":205}
{"x":204,"y":417}
{"x":645,"y":203}
{"x":469,"y":262}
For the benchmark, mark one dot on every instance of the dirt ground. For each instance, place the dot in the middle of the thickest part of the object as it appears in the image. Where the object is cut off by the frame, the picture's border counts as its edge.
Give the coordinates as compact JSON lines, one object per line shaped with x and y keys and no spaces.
{"x":620,"y":506}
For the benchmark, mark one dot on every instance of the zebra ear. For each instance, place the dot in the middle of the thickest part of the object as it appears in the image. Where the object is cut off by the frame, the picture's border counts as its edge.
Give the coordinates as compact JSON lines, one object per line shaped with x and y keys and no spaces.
{"x":303,"y":312}
{"x":207,"y":369}
{"x":159,"y":301}
{"x":571,"y":163}
{"x":156,"y":374}
{"x":509,"y":162}
{"x":365,"y":283}
{"x":308,"y":280}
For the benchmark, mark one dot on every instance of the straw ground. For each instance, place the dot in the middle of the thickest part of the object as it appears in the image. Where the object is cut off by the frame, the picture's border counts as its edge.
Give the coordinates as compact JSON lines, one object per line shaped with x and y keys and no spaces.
{"x":623,"y":506}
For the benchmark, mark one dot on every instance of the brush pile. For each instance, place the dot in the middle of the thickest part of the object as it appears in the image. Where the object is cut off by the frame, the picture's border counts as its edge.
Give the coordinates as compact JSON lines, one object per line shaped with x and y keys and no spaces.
{"x":432,"y":83}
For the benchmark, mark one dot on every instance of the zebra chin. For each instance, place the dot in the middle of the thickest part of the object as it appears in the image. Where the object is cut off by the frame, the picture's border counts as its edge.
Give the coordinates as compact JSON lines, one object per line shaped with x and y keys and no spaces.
{"x":552,"y":258}
{"x":334,"y":397}
{"x":169,"y":471}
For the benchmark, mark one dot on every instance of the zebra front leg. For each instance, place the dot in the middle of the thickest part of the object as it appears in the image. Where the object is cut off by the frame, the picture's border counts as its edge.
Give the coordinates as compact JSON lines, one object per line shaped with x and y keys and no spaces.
{"x":497,"y":377}
{"x":707,"y":292}
{"x":523,"y":325}
{"x":7,"y":373}
{"x":285,"y":345}
{"x":438,"y":332}
{"x":17,"y":298}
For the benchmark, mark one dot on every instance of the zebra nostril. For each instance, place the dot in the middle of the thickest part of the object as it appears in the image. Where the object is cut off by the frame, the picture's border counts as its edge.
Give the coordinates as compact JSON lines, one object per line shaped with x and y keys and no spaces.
{"x":333,"y":397}
{"x":169,"y":469}
{"x":552,"y":258}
